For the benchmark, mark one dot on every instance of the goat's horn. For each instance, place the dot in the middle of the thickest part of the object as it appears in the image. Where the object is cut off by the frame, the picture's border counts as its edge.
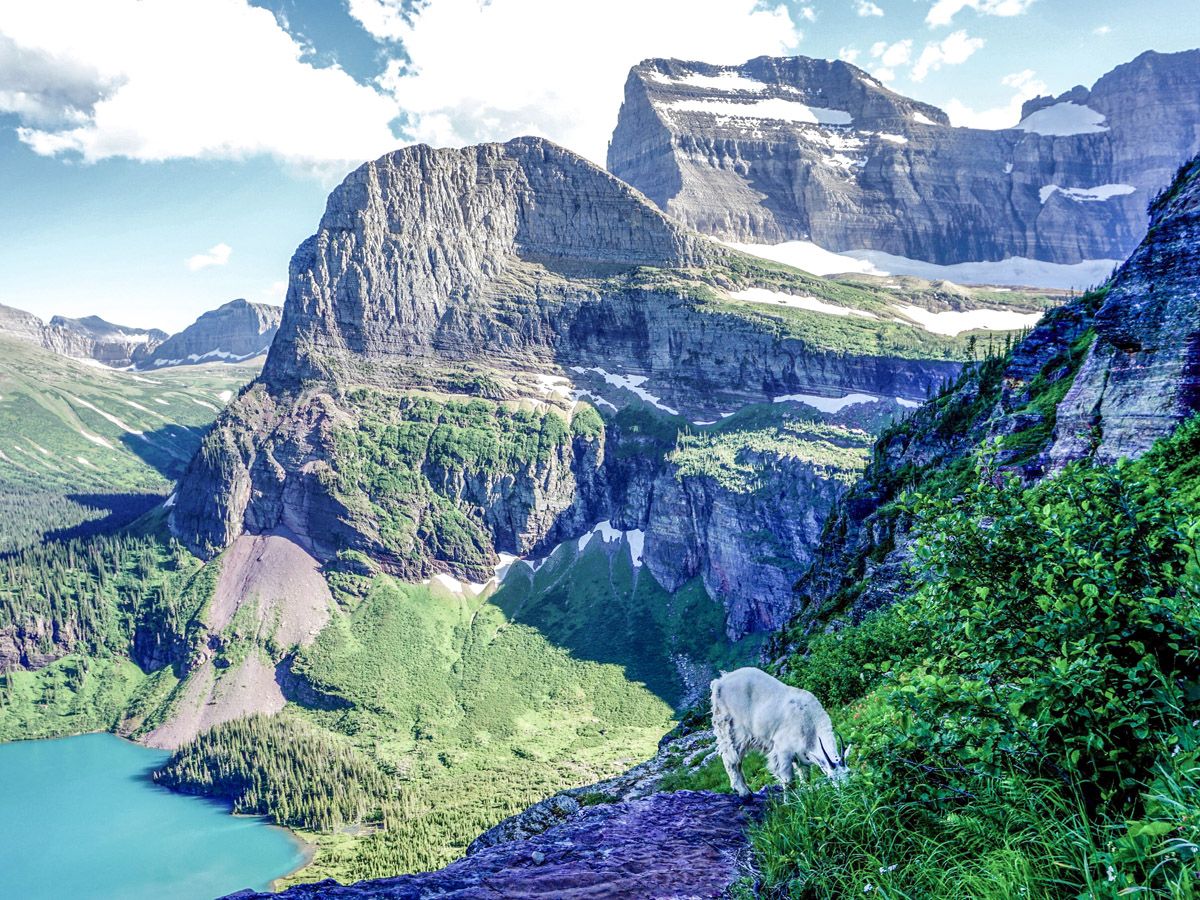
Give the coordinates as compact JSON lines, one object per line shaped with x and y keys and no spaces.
{"x":825,"y":753}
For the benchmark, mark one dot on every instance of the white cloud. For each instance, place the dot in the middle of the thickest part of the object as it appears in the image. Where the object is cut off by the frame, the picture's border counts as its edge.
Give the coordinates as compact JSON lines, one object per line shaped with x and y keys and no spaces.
{"x":166,"y":79}
{"x":943,"y":11}
{"x":1026,"y":86}
{"x":217,"y":255}
{"x":807,"y":13}
{"x":952,"y":50}
{"x":896,"y":54}
{"x":866,"y":8}
{"x":1102,"y":30}
{"x":490,"y":71}
{"x":849,"y":54}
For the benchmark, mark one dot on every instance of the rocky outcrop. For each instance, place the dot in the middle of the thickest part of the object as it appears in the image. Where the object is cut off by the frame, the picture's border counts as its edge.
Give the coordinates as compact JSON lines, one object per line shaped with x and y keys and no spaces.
{"x":1142,"y":374}
{"x":237,"y":331}
{"x":1130,"y":355}
{"x":782,"y":149}
{"x":682,"y":846}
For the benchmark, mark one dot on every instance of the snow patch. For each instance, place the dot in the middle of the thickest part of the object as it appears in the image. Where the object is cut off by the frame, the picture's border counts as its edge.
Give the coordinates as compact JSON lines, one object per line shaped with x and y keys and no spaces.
{"x":1099,"y":193}
{"x":1008,"y":167}
{"x":797,"y":301}
{"x":160,"y":400}
{"x":107,"y":416}
{"x":893,"y":138}
{"x":225,"y":396}
{"x":637,"y":542}
{"x":922,"y":119}
{"x":770,"y":108}
{"x":85,"y":461}
{"x":204,"y":404}
{"x":632,"y":383}
{"x":827,"y":404}
{"x":96,"y":439}
{"x":1016,"y":270}
{"x":908,"y":404}
{"x":1062,"y":119}
{"x":952,"y":322}
{"x":170,"y":502}
{"x":725,"y":81}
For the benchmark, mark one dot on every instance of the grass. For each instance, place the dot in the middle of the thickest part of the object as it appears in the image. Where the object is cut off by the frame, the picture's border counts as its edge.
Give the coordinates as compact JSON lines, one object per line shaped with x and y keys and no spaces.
{"x":50,"y":405}
{"x":73,"y":695}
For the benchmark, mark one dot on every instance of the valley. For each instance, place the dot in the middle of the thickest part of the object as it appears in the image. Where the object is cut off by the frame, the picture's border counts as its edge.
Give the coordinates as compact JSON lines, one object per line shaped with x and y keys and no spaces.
{"x":434,"y":564}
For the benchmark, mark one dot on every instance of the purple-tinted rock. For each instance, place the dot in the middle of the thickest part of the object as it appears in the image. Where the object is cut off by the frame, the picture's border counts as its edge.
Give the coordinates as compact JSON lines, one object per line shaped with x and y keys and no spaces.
{"x":681,"y":846}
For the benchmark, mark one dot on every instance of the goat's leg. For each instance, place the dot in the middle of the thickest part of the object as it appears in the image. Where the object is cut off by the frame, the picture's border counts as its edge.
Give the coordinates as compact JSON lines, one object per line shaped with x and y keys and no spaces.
{"x":732,"y":747}
{"x":780,"y":766}
{"x":733,"y":768}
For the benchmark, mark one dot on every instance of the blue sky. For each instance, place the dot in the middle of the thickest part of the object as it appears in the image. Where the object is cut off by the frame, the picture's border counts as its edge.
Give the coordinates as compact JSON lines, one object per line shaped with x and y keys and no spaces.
{"x":159,"y":157}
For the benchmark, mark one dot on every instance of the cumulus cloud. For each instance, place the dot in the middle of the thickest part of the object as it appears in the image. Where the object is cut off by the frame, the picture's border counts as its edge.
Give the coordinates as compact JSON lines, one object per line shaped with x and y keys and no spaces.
{"x":166,"y":79}
{"x":217,"y":255}
{"x":957,"y":47}
{"x":490,"y":71}
{"x":849,"y":54}
{"x":889,"y":56}
{"x":942,"y":12}
{"x":1102,"y":30}
{"x":807,"y":13}
{"x":866,"y":8}
{"x":1026,"y":86}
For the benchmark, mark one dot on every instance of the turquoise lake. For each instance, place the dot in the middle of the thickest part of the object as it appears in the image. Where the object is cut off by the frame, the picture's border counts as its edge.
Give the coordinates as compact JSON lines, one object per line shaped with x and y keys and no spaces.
{"x":79,"y":817}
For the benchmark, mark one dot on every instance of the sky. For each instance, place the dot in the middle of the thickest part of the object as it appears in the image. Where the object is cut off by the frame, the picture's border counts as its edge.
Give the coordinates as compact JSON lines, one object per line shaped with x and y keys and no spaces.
{"x":161,"y":157}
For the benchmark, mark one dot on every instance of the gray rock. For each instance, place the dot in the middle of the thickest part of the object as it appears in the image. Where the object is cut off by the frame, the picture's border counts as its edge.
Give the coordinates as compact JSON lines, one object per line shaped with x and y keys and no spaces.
{"x":237,"y":331}
{"x":432,"y":267}
{"x":894,"y":177}
{"x":1141,"y":377}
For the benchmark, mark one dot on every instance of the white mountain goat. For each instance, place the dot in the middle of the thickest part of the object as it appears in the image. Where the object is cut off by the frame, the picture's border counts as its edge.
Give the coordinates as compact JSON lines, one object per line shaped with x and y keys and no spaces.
{"x":753,"y":711}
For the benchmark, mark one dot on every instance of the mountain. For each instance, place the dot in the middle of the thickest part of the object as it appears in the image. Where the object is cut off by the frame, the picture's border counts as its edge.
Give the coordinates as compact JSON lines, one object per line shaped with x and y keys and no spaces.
{"x":76,"y":437}
{"x":235,"y":332}
{"x":889,"y":679}
{"x":87,"y":338}
{"x":494,"y":349}
{"x":780,"y":154}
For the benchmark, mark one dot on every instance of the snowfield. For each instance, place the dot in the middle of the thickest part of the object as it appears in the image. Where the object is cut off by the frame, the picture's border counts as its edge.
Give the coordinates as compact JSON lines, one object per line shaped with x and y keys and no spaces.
{"x":796,"y":301}
{"x":1064,"y":119}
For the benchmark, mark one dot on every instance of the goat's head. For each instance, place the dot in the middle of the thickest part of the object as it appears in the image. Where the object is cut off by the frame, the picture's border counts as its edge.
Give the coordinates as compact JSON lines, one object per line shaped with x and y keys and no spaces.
{"x":827,"y":758}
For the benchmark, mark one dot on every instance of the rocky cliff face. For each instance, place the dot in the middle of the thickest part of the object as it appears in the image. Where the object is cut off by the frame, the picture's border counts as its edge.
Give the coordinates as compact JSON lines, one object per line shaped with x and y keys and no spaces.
{"x":237,"y":331}
{"x":454,"y":326}
{"x":88,"y":338}
{"x":1102,"y":378}
{"x":1142,"y":374}
{"x":783,"y":149}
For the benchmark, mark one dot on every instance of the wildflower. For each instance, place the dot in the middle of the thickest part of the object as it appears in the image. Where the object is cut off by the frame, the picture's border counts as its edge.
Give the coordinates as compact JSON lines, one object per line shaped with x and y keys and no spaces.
{"x":1112,"y":875}
{"x":884,"y":869}
{"x":868,"y":887}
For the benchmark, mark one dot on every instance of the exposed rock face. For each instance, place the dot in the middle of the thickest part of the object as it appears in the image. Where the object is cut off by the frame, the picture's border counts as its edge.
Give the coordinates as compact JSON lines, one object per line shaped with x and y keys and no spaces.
{"x":1138,"y":380}
{"x":517,"y":263}
{"x":682,"y":846}
{"x":237,"y":331}
{"x":88,"y":338}
{"x":269,"y":593}
{"x":783,"y":149}
{"x":1142,"y":374}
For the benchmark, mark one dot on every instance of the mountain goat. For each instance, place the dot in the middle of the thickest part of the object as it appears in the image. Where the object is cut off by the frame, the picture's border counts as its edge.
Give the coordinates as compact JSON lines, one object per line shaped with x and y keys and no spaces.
{"x":753,"y":711}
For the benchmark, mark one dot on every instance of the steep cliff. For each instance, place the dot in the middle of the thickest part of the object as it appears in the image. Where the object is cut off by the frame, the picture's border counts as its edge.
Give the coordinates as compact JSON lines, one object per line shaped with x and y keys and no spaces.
{"x":1101,"y":378}
{"x":798,"y":149}
{"x":424,"y":400}
{"x":237,"y":331}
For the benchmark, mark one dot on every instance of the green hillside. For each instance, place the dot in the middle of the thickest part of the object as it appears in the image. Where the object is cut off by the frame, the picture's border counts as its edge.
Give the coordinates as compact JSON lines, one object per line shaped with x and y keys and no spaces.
{"x":69,"y":429}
